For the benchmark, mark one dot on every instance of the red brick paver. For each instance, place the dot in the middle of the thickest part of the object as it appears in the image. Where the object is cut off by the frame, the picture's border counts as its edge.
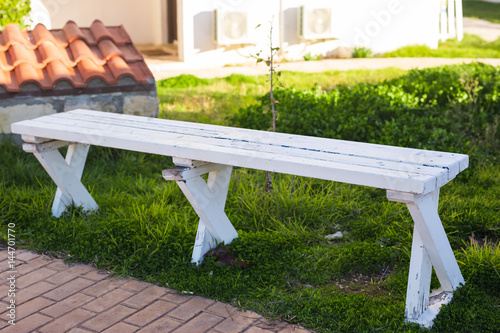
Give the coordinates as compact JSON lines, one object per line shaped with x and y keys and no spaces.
{"x":108,"y":318}
{"x":53,"y":297}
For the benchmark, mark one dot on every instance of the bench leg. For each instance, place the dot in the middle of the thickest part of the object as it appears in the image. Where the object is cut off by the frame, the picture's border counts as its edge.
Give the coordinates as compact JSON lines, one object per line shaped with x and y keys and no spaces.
{"x":430,"y":248}
{"x":208,"y":200}
{"x":66,"y":173}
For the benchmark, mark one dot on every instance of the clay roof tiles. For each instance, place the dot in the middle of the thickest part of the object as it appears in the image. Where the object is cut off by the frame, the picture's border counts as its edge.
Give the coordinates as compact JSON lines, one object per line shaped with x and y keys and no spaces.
{"x":73,"y":54}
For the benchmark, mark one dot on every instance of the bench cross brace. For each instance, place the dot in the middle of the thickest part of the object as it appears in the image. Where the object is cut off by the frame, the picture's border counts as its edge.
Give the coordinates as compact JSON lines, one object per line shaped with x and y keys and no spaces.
{"x":208,"y":200}
{"x":66,"y":173}
{"x":430,"y":248}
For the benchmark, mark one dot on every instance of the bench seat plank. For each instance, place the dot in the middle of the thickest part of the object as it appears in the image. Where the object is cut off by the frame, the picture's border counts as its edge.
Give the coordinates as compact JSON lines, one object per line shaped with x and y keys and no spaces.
{"x":379,"y":152}
{"x":393,"y":168}
{"x":253,"y":149}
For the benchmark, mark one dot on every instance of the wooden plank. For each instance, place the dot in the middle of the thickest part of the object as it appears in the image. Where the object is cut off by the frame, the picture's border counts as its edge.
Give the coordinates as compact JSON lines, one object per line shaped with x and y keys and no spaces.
{"x":45,"y":146}
{"x":419,"y":279}
{"x":275,"y":149}
{"x":185,"y":162}
{"x":400,"y":180}
{"x":75,"y":158}
{"x":208,"y":200}
{"x":34,"y":139}
{"x":424,"y":211}
{"x":209,"y":205}
{"x":430,"y":248}
{"x":270,"y":137}
{"x":246,"y":135}
{"x":159,"y":136}
{"x":185,"y":142}
{"x":66,"y":179}
{"x":379,"y":152}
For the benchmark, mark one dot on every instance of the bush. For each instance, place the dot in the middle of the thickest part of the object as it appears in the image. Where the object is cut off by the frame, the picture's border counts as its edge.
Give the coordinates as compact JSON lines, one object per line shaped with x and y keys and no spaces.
{"x":451,"y":108}
{"x":361,"y":52}
{"x":182,"y":81}
{"x":14,"y":11}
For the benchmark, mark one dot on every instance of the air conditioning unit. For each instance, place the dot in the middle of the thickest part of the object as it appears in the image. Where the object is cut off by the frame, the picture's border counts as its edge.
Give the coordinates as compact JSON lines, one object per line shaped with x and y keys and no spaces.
{"x":231,"y":27}
{"x":315,"y":23}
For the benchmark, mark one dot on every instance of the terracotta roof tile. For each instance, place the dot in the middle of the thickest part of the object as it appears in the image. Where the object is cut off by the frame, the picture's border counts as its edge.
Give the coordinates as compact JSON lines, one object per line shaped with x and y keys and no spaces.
{"x":117,"y":34}
{"x":119,"y":67}
{"x":58,"y":72}
{"x":5,"y":65}
{"x":9,"y":81}
{"x":141,"y":71}
{"x":72,"y":32}
{"x":41,"y":34}
{"x":90,"y":70}
{"x":130,"y":54}
{"x":74,"y":54}
{"x":81,"y":50}
{"x":20,"y":54}
{"x":51,"y":52}
{"x":100,"y":31}
{"x":109,"y":49}
{"x":13,"y":35}
{"x":27,"y":73}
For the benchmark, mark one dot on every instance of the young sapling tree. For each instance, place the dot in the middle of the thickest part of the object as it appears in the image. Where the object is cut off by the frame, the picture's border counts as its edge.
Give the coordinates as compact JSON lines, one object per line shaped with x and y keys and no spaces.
{"x":273,"y":81}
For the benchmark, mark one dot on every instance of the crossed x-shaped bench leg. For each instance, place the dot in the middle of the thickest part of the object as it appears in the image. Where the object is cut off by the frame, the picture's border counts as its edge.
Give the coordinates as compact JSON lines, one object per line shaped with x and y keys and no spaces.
{"x":208,"y":200}
{"x":430,"y":248}
{"x":66,"y":173}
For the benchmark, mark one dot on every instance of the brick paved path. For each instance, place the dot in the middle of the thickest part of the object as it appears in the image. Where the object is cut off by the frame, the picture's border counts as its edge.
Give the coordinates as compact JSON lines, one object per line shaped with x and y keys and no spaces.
{"x":53,"y":297}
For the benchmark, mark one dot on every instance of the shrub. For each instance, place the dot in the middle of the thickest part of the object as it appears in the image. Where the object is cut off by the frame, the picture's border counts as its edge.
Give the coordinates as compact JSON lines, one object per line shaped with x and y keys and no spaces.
{"x":14,"y":11}
{"x":450,"y":108}
{"x":361,"y":52}
{"x":310,"y":57}
{"x":182,"y":81}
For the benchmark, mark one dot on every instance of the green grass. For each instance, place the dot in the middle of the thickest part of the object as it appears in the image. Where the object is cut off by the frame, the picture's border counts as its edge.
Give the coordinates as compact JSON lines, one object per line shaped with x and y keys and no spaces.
{"x":213,"y":101}
{"x":471,"y":46}
{"x":145,"y":227}
{"x":482,"y":9}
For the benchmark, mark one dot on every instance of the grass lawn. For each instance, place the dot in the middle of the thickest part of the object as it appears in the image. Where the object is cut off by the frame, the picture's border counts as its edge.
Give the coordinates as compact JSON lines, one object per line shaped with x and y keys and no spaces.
{"x":471,"y":46}
{"x":145,"y":228}
{"x":214,"y":101}
{"x":488,"y":11}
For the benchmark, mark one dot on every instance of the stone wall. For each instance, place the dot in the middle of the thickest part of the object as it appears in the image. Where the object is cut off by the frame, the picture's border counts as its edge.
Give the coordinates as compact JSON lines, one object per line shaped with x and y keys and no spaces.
{"x":140,"y":103}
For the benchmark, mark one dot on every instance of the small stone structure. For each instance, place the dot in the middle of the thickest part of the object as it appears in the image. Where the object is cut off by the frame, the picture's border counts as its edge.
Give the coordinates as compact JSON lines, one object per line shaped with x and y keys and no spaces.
{"x":47,"y":71}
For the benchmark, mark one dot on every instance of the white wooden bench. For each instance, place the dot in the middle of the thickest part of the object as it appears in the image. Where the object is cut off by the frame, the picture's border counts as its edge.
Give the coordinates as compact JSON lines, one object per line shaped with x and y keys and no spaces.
{"x":411,"y":176}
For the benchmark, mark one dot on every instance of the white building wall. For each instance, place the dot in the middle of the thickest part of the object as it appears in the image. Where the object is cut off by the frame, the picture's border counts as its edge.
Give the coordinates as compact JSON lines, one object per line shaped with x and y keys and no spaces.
{"x":141,"y":18}
{"x":198,"y":44}
{"x":385,"y":25}
{"x":381,"y":25}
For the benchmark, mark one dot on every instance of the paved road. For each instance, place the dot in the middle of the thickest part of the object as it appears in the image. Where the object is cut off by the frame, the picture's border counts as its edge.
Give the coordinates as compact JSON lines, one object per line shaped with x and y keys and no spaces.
{"x":162,"y":72}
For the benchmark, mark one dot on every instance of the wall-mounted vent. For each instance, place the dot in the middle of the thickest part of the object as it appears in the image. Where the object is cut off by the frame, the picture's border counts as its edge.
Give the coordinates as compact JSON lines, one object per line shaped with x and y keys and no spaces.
{"x":315,"y":23}
{"x":231,"y":27}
